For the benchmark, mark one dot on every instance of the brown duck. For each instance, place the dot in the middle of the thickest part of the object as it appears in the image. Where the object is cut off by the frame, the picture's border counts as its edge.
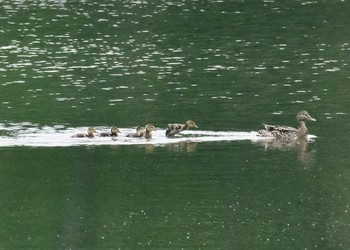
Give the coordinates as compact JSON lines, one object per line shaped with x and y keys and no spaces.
{"x":114,"y":133}
{"x":90,"y":133}
{"x":176,"y":128}
{"x":139,"y":132}
{"x":288,"y":132}
{"x":148,"y":131}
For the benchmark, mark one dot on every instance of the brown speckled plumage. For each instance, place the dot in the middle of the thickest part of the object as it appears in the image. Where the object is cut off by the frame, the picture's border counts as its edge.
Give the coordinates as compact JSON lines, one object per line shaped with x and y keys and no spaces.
{"x":139,"y":132}
{"x":90,"y":133}
{"x":114,"y":133}
{"x":148,"y":131}
{"x":288,"y":132}
{"x":175,"y":128}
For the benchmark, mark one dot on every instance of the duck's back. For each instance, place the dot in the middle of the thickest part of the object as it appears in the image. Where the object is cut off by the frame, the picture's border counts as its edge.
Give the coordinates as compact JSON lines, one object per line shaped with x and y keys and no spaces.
{"x":81,"y":135}
{"x":278,"y":131}
{"x":134,"y":135}
{"x":173,"y":129}
{"x":279,"y":128}
{"x":105,"y":134}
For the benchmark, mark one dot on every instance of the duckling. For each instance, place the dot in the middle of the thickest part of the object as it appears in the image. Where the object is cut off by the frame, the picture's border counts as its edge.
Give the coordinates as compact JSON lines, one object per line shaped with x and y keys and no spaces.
{"x":148,"y":131}
{"x":285,"y":132}
{"x":139,"y":132}
{"x":90,"y":133}
{"x":114,"y":133}
{"x":177,"y":128}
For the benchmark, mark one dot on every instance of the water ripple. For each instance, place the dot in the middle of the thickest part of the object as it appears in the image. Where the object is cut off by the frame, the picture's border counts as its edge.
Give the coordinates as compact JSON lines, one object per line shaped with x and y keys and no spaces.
{"x":31,"y":135}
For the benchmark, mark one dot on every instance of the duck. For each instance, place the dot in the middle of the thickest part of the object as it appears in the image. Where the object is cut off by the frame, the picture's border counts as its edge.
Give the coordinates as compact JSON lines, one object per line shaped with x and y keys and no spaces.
{"x":176,"y":128}
{"x":148,"y":131}
{"x":114,"y":132}
{"x":139,"y":132}
{"x":285,"y":132}
{"x":90,"y":133}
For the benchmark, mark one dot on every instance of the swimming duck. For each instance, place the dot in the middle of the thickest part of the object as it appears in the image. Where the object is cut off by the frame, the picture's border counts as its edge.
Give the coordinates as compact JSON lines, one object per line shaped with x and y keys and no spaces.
{"x":139,"y":132}
{"x":90,"y":133}
{"x":148,"y":131}
{"x":288,"y":132}
{"x":177,"y":128}
{"x":114,"y":133}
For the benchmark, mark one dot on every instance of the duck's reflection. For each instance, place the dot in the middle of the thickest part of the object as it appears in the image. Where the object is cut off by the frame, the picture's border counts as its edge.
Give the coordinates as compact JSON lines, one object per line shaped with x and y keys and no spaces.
{"x":186,"y":146}
{"x":300,"y":145}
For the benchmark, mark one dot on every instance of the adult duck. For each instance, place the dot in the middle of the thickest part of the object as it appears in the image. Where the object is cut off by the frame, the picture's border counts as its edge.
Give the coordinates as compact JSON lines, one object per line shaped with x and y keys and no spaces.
{"x":114,"y":132}
{"x":90,"y":133}
{"x":288,"y":132}
{"x":139,"y":132}
{"x":175,"y":128}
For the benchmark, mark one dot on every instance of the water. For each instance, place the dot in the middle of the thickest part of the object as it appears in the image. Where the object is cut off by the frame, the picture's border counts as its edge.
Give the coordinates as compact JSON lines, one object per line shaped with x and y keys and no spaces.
{"x":27,"y":134}
{"x":228,"y":65}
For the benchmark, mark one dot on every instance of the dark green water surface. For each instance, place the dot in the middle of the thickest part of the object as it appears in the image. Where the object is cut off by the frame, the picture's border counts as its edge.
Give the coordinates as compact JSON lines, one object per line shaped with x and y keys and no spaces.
{"x":228,"y":65}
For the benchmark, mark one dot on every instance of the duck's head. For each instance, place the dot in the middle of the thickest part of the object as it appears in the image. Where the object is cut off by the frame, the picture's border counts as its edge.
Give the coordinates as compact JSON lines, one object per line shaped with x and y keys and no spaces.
{"x":139,"y":129}
{"x":91,"y":130}
{"x":150,"y":127}
{"x":115,"y":130}
{"x":191,"y":124}
{"x":304,"y":116}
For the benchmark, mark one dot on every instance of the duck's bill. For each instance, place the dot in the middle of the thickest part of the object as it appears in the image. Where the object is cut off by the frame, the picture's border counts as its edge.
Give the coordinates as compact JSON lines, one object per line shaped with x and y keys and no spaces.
{"x":312,"y":119}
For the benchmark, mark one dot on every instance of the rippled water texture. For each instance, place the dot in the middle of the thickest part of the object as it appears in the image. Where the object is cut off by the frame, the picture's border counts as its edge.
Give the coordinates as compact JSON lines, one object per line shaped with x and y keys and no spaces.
{"x":131,"y":61}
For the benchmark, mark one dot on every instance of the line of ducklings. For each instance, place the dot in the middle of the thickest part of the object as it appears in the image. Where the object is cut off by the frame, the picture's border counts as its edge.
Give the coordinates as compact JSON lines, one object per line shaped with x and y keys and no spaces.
{"x":274,"y":131}
{"x":141,"y":132}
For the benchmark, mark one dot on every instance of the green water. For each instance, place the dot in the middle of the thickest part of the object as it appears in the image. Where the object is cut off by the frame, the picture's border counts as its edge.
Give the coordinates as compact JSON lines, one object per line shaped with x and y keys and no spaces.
{"x":228,"y":65}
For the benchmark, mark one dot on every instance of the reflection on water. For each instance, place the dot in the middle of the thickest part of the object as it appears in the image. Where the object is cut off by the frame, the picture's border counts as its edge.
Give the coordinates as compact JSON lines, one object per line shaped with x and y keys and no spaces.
{"x":299,"y":145}
{"x":185,"y":146}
